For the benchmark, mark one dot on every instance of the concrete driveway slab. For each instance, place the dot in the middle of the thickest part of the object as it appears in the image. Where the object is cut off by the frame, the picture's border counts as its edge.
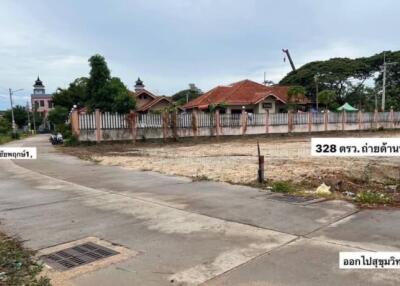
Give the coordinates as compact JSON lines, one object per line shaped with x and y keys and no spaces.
{"x":304,"y":263}
{"x":377,"y":230}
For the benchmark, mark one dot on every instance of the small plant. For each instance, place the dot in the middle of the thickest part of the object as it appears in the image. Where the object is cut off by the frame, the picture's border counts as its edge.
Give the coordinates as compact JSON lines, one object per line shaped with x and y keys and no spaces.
{"x":17,"y":264}
{"x":282,"y":187}
{"x":374,"y":198}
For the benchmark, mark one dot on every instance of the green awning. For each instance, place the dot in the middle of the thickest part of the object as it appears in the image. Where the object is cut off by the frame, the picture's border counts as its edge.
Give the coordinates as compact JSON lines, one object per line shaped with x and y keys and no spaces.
{"x":346,"y":107}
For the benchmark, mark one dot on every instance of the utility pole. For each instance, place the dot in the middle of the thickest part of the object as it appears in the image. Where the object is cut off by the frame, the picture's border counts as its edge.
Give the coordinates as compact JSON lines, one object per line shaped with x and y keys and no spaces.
{"x":384,"y":82}
{"x":29,"y":117}
{"x":12,"y":109}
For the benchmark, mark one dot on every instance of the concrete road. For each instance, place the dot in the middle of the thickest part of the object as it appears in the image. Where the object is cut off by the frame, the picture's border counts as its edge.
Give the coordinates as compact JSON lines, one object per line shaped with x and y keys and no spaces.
{"x":187,"y":233}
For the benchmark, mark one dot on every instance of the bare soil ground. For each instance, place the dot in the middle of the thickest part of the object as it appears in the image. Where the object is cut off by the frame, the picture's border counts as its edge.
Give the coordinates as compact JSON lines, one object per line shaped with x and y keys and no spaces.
{"x":234,"y":160}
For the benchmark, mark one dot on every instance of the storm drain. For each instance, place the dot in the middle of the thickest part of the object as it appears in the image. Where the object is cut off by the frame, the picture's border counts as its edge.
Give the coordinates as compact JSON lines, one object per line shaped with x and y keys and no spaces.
{"x":76,"y":256}
{"x":292,"y":199}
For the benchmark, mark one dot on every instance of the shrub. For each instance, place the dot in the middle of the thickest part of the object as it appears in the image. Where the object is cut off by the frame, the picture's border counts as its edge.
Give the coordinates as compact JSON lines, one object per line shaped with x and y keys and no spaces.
{"x":15,"y":135}
{"x":64,"y":129}
{"x":370,"y":197}
{"x":282,"y":187}
{"x":71,"y":141}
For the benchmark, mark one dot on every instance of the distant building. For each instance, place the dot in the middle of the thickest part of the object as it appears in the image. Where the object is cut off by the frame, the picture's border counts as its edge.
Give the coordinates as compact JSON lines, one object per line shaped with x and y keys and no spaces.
{"x":147,"y":101}
{"x":246,"y":95}
{"x":42,"y":102}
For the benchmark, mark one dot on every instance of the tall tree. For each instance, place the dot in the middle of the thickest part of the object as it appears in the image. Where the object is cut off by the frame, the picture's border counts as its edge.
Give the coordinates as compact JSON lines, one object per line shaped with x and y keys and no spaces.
{"x":98,"y":79}
{"x":20,"y":115}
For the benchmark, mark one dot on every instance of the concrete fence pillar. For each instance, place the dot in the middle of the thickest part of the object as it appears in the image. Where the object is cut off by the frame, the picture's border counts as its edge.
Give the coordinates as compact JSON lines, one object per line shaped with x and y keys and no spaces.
{"x":360,"y":120}
{"x":326,"y":119}
{"x":133,"y":122}
{"x":343,"y":119}
{"x":165,"y":123}
{"x":243,"y":121}
{"x":75,"y":123}
{"x":267,"y":121}
{"x":391,"y":117}
{"x":194,"y":123}
{"x":309,"y":121}
{"x":290,"y":121}
{"x":217,"y":123}
{"x":376,"y":118}
{"x":98,"y":125}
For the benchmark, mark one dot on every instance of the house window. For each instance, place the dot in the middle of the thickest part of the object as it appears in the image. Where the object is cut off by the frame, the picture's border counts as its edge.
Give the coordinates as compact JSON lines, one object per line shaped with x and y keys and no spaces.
{"x":42,"y":103}
{"x":50,"y":103}
{"x":36,"y":104}
{"x":267,"y":105}
{"x":142,"y":96}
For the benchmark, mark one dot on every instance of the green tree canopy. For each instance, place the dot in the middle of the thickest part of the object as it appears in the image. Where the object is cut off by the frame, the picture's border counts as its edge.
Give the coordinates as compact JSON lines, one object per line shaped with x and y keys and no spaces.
{"x":180,"y":97}
{"x":100,"y":91}
{"x":75,"y":94}
{"x":20,"y":115}
{"x":295,"y":91}
{"x":122,"y":100}
{"x":327,"y":98}
{"x":58,"y":115}
{"x":349,"y":78}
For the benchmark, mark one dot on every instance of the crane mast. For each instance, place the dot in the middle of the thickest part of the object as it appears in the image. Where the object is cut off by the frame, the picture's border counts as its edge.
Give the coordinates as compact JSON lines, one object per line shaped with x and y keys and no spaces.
{"x":286,"y":51}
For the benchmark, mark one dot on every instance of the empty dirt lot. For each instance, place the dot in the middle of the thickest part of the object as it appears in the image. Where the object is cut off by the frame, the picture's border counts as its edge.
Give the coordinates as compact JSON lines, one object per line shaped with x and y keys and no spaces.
{"x":234,"y":160}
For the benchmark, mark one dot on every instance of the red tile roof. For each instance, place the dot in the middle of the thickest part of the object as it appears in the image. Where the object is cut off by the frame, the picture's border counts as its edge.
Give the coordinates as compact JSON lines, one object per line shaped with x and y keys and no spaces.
{"x":245,"y":92}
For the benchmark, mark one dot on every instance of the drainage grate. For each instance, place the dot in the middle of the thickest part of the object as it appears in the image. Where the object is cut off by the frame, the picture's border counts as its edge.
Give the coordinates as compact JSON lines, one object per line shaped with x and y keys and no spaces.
{"x":291,"y":199}
{"x":76,"y":256}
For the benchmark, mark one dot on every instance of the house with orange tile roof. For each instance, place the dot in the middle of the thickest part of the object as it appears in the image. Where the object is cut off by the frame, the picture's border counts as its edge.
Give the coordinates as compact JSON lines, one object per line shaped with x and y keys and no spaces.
{"x":247,"y":95}
{"x":147,"y":101}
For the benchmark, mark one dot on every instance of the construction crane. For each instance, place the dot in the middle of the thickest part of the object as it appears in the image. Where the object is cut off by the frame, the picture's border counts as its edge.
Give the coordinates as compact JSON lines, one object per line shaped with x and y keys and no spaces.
{"x":286,"y":51}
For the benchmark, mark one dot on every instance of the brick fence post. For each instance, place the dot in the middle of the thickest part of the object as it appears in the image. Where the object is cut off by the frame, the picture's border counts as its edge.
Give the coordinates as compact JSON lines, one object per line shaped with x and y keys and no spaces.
{"x":267,"y":121}
{"x":309,"y":121}
{"x":98,"y":125}
{"x":75,"y":123}
{"x":133,"y":120}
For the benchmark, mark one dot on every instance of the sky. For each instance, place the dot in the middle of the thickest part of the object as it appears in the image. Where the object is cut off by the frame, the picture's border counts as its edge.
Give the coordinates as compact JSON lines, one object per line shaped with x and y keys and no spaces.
{"x":171,"y":43}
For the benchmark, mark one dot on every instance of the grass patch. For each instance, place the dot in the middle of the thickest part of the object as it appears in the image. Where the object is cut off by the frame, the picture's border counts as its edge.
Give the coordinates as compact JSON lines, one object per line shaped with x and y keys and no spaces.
{"x":17,"y":266}
{"x":200,"y":178}
{"x":5,"y":139}
{"x":373,"y":198}
{"x":282,"y":187}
